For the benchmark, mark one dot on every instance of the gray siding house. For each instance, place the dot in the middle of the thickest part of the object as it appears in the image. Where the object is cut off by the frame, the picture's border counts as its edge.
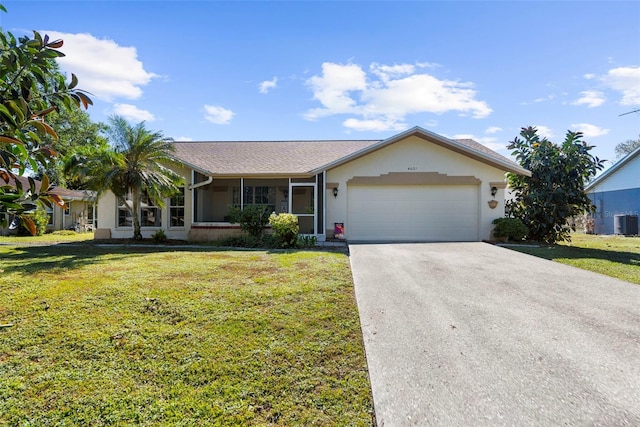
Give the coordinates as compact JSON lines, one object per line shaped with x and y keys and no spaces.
{"x":616,"y":192}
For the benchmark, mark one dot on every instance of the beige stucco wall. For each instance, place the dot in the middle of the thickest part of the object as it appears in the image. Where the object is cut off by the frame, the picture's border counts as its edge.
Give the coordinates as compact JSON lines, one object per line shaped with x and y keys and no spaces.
{"x":77,"y":214}
{"x":108,"y":215}
{"x":410,"y":156}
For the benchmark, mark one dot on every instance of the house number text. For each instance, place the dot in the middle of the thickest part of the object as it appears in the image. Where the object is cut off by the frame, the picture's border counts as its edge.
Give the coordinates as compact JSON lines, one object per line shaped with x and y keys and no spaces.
{"x":412,"y":168}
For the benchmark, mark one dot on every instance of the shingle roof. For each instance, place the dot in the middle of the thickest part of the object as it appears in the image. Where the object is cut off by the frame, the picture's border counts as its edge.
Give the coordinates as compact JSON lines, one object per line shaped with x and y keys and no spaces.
{"x":264,"y":157}
{"x":309,"y":157}
{"x":65,"y":193}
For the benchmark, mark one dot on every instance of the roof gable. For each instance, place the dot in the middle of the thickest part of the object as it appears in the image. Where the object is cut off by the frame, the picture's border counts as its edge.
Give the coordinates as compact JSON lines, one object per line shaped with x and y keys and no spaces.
{"x":619,"y":166}
{"x":253,"y":158}
{"x":466,"y":147}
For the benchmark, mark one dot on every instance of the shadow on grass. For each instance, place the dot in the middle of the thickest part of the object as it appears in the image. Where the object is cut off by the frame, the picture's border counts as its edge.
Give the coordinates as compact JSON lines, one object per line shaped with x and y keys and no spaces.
{"x":69,"y":256}
{"x":73,"y":255}
{"x":568,"y":252}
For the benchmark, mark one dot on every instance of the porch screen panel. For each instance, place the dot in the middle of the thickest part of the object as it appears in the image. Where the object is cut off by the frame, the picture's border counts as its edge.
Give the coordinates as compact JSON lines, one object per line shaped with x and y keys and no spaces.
{"x":212,"y":201}
{"x":320,"y":211}
{"x":270,"y":192}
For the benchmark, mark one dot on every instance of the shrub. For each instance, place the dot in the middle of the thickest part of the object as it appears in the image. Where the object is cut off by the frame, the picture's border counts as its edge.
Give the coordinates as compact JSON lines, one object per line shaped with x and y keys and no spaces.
{"x":285,"y":226}
{"x":511,"y":228}
{"x":252,"y":218}
{"x":588,"y":224}
{"x":40,"y":219}
{"x":159,"y":236}
{"x":307,"y":241}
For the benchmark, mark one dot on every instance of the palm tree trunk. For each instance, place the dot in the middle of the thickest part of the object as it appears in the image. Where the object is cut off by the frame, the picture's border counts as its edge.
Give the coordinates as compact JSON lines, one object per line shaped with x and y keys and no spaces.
{"x":135,"y":195}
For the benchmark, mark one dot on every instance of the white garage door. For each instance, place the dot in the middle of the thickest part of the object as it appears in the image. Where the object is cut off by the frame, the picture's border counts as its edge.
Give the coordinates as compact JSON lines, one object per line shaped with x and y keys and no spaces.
{"x":412,"y":213}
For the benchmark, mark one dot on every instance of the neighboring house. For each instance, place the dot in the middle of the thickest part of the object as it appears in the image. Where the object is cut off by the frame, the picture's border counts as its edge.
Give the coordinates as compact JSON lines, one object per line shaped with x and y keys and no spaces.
{"x":414,"y":186}
{"x":616,"y":192}
{"x":79,"y":213}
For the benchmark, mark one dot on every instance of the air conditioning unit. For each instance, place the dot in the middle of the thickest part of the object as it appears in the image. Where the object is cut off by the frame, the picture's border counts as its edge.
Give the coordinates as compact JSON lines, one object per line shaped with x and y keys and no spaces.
{"x":625,"y":224}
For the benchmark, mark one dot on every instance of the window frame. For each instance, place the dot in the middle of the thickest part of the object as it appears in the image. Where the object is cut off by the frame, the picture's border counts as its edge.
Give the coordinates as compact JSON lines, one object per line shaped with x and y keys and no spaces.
{"x":173,"y":206}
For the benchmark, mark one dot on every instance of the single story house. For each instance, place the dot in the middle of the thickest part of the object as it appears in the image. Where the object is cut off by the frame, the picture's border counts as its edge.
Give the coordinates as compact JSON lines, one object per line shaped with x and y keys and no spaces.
{"x":616,"y":192}
{"x":414,"y":186}
{"x":78,"y":214}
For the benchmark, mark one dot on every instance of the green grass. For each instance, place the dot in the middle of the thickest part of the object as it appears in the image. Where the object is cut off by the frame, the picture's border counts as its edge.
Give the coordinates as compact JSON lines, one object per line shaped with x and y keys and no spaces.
{"x":108,"y":336}
{"x":614,"y":256}
{"x":48,"y":238}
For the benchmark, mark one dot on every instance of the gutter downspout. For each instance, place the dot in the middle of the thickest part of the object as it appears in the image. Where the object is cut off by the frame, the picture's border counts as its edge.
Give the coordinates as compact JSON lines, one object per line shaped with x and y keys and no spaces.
{"x":201,"y":184}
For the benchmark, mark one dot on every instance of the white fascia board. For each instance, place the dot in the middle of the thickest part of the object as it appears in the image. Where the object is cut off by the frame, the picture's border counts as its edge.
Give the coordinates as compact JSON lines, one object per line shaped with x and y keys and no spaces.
{"x":606,"y":174}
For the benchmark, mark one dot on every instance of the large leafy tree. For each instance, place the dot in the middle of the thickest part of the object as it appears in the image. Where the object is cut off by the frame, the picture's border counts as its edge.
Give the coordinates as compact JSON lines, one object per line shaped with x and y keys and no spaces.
{"x":78,"y":136}
{"x":555,"y":190}
{"x":30,"y":89}
{"x":627,"y":147}
{"x":136,"y":163}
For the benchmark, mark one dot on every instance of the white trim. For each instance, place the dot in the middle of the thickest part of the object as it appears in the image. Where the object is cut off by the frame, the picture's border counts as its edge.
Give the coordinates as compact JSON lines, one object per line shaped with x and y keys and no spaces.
{"x":315,"y":202}
{"x":323,"y":232}
{"x":619,"y":164}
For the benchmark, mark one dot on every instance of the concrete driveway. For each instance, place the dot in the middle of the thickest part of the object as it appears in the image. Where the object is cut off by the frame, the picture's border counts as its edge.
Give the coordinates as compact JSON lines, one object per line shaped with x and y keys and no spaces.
{"x":474,"y":334}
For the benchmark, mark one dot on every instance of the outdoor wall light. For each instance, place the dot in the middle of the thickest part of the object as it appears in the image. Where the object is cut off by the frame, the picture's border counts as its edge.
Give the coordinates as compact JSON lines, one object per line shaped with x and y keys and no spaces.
{"x":335,"y":192}
{"x":494,"y":190}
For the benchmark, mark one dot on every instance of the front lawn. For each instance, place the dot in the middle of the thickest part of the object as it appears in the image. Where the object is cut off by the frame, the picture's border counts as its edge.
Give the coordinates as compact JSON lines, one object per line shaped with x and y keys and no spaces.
{"x":47,"y":238}
{"x":121,"y":336}
{"x":615,"y":256}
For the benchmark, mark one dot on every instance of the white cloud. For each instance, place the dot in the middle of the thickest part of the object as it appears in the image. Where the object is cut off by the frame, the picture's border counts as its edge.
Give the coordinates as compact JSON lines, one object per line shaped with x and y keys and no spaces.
{"x":183,"y":138}
{"x":544,"y":98}
{"x":133,"y":113}
{"x":493,"y":129}
{"x":589,"y":130}
{"x":333,"y":87}
{"x":267,"y":85}
{"x":376,"y":125}
{"x":381,"y":99}
{"x":104,"y":68}
{"x":218,"y":115}
{"x":385,"y":72}
{"x":627,"y":81}
{"x":590,"y":98}
{"x":589,"y":76}
{"x":544,"y":131}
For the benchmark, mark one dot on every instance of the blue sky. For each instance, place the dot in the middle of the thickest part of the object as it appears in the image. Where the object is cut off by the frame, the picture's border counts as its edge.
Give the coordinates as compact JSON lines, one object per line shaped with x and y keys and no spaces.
{"x":208,"y":70}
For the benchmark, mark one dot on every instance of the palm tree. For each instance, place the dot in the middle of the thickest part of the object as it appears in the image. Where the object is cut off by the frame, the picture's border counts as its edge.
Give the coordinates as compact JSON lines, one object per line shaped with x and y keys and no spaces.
{"x":134,"y":164}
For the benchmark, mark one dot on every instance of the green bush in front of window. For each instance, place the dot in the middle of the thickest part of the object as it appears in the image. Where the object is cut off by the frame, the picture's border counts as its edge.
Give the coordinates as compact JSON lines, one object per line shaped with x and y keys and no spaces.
{"x":285,"y":226}
{"x":40,"y":218}
{"x":252,"y":219}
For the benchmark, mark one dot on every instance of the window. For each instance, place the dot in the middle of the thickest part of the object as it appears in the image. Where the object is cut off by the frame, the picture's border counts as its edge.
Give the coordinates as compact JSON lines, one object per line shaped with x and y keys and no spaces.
{"x":67,"y":209}
{"x":124,"y":216}
{"x":150,"y":214}
{"x":260,"y":195}
{"x":91,"y":219}
{"x":176,"y":209}
{"x":50,"y":215}
{"x":270,"y":192}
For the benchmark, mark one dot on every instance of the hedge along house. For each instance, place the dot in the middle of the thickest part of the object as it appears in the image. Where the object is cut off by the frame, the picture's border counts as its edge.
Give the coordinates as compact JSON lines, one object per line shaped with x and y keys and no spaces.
{"x":414,"y":186}
{"x":616,"y":192}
